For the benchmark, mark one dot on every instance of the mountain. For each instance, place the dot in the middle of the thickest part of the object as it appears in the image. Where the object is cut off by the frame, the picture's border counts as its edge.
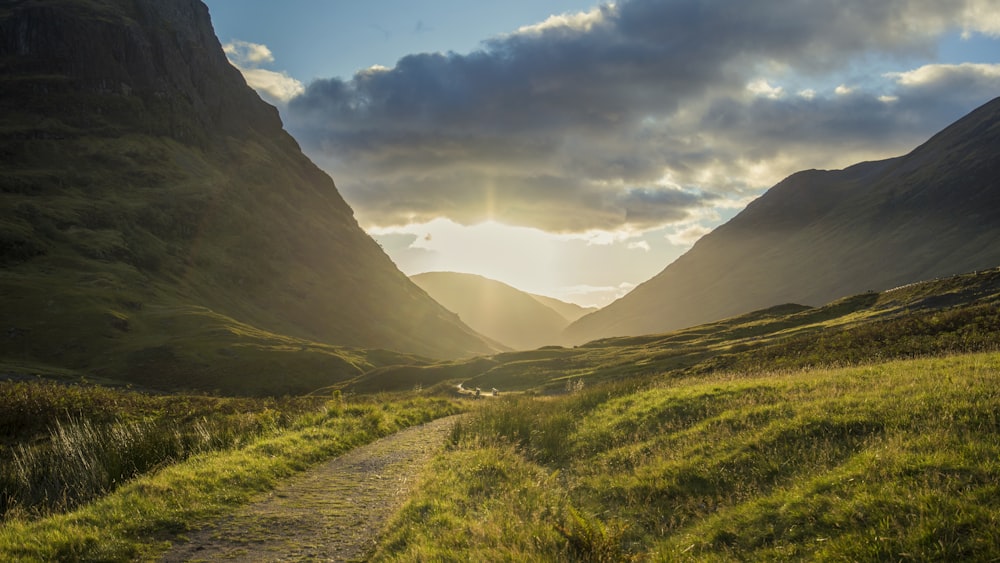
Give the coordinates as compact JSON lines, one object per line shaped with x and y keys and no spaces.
{"x":508,"y":315}
{"x":159,"y":226}
{"x":957,"y":314}
{"x":819,"y":235}
{"x":569,"y":311}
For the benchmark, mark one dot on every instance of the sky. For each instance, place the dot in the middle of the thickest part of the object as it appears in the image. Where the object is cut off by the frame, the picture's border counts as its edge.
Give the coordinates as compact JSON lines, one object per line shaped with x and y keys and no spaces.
{"x":575,"y":149}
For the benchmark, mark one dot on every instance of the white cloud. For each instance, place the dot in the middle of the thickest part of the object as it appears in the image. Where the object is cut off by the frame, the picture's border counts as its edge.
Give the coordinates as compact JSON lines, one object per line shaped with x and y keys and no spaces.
{"x":580,"y":21}
{"x":843,"y":90}
{"x":593,"y":295}
{"x":938,"y":73}
{"x":760,"y":87}
{"x":277,"y":85}
{"x":376,"y":68}
{"x":887,"y":99}
{"x":688,"y":236}
{"x":982,"y":16}
{"x":639,"y":245}
{"x":247,"y":53}
{"x":807,"y":94}
{"x":274,"y":85}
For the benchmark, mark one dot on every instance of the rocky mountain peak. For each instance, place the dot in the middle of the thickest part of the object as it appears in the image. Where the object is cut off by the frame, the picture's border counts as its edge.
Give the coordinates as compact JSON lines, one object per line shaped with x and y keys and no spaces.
{"x":161,"y":52}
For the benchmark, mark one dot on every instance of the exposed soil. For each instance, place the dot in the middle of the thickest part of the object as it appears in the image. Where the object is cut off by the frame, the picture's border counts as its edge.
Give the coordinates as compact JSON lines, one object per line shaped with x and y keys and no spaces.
{"x":333,"y":512}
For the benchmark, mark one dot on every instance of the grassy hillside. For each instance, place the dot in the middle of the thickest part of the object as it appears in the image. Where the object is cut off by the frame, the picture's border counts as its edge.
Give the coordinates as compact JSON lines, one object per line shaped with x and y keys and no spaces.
{"x":890,"y":461}
{"x":955,"y":314}
{"x":864,"y":430}
{"x":95,"y":474}
{"x":861,"y":430}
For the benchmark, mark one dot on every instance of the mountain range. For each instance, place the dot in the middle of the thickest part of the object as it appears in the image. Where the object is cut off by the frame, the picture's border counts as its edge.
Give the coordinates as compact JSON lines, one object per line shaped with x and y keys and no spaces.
{"x":160,"y":227}
{"x":819,"y":235}
{"x":503,"y":313}
{"x":949,"y":315}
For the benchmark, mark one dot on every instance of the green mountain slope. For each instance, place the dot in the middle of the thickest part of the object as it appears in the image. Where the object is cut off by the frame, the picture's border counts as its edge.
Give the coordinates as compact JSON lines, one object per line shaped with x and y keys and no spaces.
{"x":820,"y":235}
{"x":505,"y":314}
{"x":148,"y":195}
{"x":948,"y":315}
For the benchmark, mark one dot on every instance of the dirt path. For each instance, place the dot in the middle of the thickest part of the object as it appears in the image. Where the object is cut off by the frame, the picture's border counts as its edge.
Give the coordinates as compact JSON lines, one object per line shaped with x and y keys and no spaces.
{"x":333,"y":512}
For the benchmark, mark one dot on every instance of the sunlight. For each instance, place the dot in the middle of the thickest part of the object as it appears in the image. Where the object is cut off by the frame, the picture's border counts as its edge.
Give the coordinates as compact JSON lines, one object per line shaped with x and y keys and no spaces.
{"x":589,"y":269}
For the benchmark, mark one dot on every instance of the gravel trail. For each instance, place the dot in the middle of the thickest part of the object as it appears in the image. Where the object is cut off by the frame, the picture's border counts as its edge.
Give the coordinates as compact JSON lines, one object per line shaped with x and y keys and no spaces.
{"x":333,"y":512}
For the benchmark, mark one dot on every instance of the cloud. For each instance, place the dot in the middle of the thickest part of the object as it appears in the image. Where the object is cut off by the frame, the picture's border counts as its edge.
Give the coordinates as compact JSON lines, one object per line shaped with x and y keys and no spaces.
{"x":631,"y":116}
{"x":276,"y":85}
{"x":760,"y":87}
{"x":273,"y":85}
{"x":245,"y":53}
{"x":688,"y":235}
{"x":973,"y":77}
{"x":591,"y":295}
{"x":981,"y":17}
{"x":888,"y":120}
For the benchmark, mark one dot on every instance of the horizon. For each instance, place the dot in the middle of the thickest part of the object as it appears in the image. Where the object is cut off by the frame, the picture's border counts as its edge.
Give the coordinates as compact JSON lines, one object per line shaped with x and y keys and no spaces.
{"x":574,"y":150}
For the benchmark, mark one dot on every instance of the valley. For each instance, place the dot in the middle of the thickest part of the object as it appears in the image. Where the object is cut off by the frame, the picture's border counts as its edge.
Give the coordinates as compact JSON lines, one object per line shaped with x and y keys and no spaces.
{"x":511,"y":317}
{"x":204,"y":355}
{"x":791,"y":432}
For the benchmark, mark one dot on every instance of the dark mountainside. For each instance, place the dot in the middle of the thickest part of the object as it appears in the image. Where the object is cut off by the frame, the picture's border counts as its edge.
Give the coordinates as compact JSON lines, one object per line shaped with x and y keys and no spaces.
{"x":820,"y":235}
{"x":506,"y":314}
{"x":160,"y":227}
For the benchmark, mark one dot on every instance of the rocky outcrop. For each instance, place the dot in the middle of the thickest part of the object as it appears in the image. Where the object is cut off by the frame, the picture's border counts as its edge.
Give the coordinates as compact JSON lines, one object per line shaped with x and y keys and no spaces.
{"x":157,"y":51}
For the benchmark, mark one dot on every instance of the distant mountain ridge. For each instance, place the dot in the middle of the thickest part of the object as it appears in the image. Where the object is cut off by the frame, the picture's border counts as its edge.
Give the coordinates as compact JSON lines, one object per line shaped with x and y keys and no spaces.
{"x":820,"y":235}
{"x":508,"y":315}
{"x":952,"y":315}
{"x":159,"y":225}
{"x":569,"y":311}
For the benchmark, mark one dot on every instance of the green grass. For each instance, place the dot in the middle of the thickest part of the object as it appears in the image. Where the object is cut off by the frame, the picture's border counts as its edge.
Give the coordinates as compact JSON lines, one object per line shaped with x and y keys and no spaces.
{"x":107,"y":328}
{"x":63,"y":445}
{"x":951,"y":315}
{"x":890,"y":461}
{"x":144,"y":512}
{"x":789,"y":433}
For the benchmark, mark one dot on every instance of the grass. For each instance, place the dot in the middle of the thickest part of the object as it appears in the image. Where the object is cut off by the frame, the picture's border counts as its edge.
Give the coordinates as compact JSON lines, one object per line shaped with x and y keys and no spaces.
{"x":855,"y":431}
{"x":137,"y":516}
{"x":891,"y":461}
{"x":63,"y":445}
{"x":951,"y":315}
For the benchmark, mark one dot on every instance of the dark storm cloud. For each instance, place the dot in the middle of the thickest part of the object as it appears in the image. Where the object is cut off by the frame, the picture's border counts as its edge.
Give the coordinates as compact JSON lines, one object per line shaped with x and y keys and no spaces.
{"x":560,"y":204}
{"x":630,"y":116}
{"x":920,"y":103}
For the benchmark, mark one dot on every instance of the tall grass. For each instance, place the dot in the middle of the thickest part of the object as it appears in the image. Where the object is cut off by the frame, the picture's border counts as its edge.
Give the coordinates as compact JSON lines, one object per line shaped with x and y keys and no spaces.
{"x":890,"y":461}
{"x":82,"y":460}
{"x":96,"y":439}
{"x":140,"y":518}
